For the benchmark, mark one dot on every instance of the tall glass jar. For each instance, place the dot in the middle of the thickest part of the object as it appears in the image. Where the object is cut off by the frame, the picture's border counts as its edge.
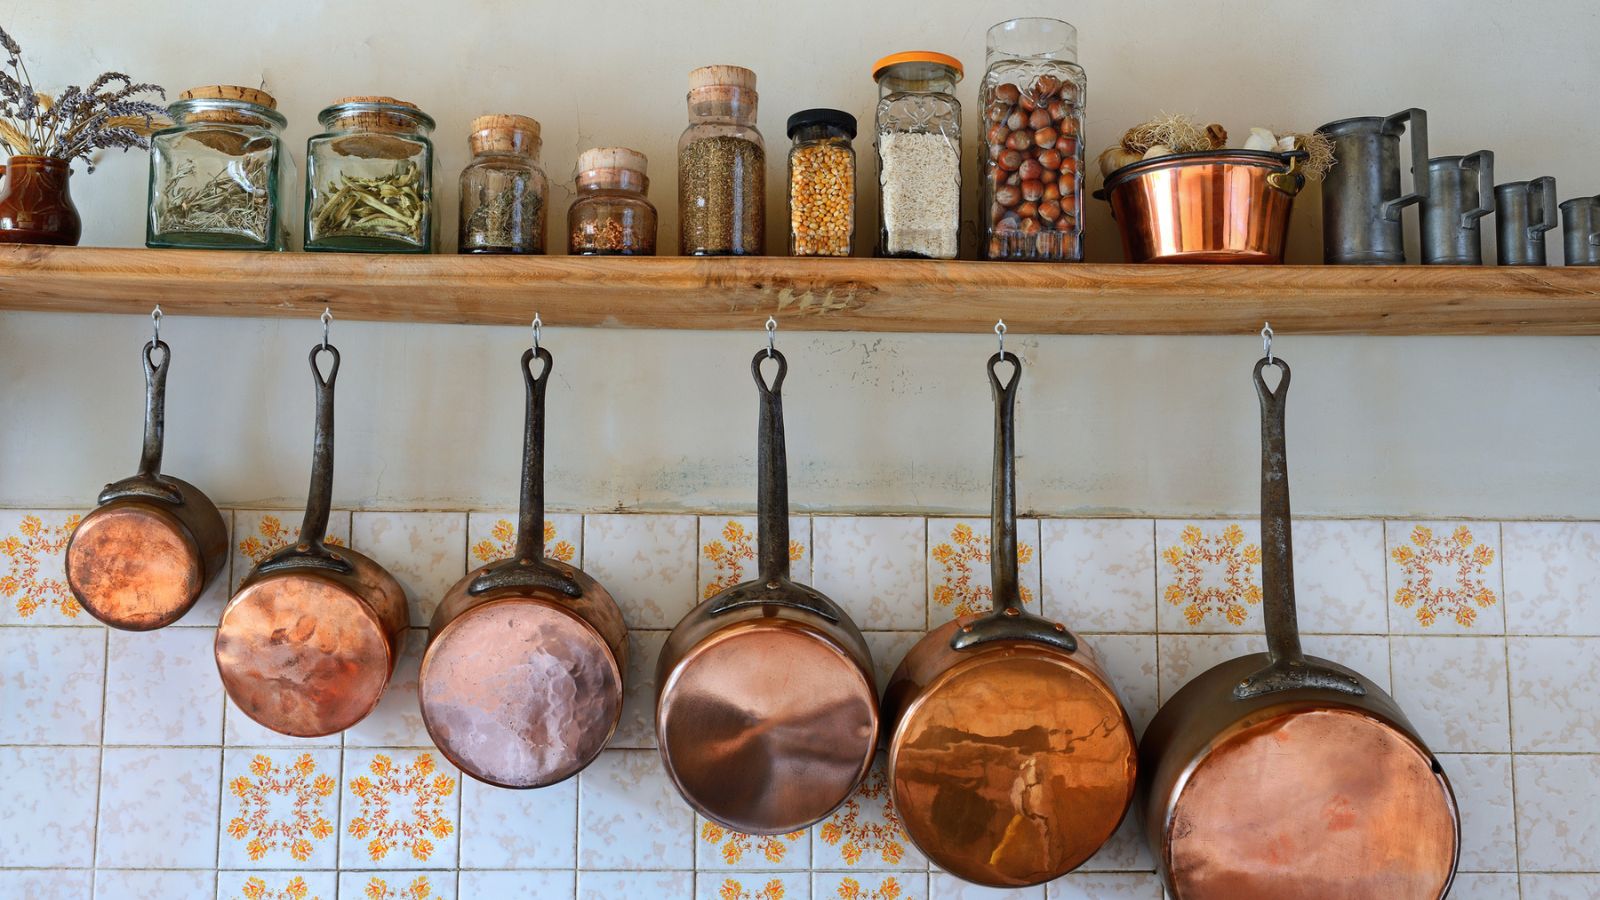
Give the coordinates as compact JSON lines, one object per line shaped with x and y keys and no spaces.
{"x":503,"y":188}
{"x":216,"y":175}
{"x":369,"y":178}
{"x":919,"y":155}
{"x":722,"y":167}
{"x":822,"y":183}
{"x":1032,"y":166}
{"x":612,"y":216}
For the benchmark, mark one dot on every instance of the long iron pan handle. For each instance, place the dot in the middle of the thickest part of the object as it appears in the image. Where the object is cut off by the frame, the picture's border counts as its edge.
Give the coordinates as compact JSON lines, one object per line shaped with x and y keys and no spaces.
{"x":311,"y":551}
{"x":148,"y":484}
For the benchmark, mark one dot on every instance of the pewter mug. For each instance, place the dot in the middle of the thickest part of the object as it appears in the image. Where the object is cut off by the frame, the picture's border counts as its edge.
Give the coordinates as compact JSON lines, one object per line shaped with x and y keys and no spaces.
{"x":1460,"y":191}
{"x":1580,"y":221}
{"x":1361,"y":199}
{"x":1523,"y":212}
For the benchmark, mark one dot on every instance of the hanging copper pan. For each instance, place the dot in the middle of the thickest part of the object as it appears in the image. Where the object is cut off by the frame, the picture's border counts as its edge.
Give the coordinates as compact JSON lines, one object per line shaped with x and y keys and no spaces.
{"x":521,"y":685}
{"x":142,"y":558}
{"x":766,"y":712}
{"x":308,"y":642}
{"x":1011,"y":760}
{"x":1283,"y":775}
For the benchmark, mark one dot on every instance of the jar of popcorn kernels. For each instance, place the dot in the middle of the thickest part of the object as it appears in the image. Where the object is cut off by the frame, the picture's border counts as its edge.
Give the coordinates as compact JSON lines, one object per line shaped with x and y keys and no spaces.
{"x":822,"y":183}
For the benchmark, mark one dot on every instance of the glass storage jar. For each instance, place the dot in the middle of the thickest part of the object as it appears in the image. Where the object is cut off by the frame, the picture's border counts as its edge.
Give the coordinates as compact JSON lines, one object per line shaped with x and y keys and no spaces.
{"x":1032,"y":166}
{"x":722,"y":167}
{"x":217,"y":174}
{"x":822,"y":183}
{"x":369,"y":178}
{"x":919,"y":155}
{"x":611,"y":216}
{"x":503,"y":188}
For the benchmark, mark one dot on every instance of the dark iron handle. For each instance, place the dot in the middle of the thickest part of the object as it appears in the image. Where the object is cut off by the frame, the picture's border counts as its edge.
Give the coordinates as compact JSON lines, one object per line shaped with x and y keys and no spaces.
{"x":772,"y":472}
{"x":310,"y":552}
{"x":781,"y":592}
{"x":1543,"y":202}
{"x":1483,"y":161}
{"x":1418,"y":120}
{"x":147,"y":483}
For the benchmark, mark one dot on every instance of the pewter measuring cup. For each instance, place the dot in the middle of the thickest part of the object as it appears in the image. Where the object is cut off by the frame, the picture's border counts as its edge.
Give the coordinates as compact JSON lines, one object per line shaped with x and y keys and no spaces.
{"x":1361,"y":199}
{"x":1580,"y":220}
{"x":1523,"y":212}
{"x":1460,"y":191}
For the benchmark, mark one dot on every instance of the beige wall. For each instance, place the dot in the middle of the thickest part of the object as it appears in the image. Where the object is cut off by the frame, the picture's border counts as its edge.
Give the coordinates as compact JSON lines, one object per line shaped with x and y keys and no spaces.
{"x":428,"y":415}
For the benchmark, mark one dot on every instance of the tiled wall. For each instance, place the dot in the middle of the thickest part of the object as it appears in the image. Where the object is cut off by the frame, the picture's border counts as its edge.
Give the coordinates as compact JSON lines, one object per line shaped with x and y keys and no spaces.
{"x":127,"y":775}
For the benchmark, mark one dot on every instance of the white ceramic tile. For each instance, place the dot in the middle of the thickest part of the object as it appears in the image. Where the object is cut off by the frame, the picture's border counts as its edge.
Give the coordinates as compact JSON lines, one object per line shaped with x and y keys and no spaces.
{"x":959,"y":574}
{"x":728,"y":552}
{"x":45,"y":884}
{"x":943,"y":886}
{"x":630,"y":816}
{"x":239,"y":730}
{"x":207,"y":611}
{"x":647,"y":563}
{"x":1339,"y":577}
{"x":1107,"y":886}
{"x":535,"y":829}
{"x":869,"y":885}
{"x":612,"y":885}
{"x":147,"y":884}
{"x":1558,"y":821}
{"x":753,"y":885}
{"x":524,"y":885}
{"x":1482,"y":785}
{"x":1126,"y":851}
{"x":888,"y":649}
{"x":259,"y":532}
{"x":280,"y":809}
{"x":492,"y":536}
{"x":1208,"y":576}
{"x":424,"y":551}
{"x":637,"y":728}
{"x":399,"y":809}
{"x":865,"y":832}
{"x":1555,"y":887}
{"x":158,"y":807}
{"x":33,"y":579}
{"x":875,"y":567}
{"x":719,"y":849}
{"x":1483,"y":886}
{"x":1099,"y":574}
{"x":1130,"y":663}
{"x":162,"y":688}
{"x":1453,"y":689}
{"x":47,"y":805}
{"x":1552,"y":572}
{"x":51,"y":684}
{"x":1366,"y":653}
{"x":1444,"y":577}
{"x":398,"y":885}
{"x":237,"y":885}
{"x":1183,"y":656}
{"x":397,"y":721}
{"x":1554,"y":704}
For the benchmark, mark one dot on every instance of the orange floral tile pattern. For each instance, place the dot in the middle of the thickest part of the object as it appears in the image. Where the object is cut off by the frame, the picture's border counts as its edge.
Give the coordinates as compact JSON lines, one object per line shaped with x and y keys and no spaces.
{"x":1196,"y":551}
{"x":855,"y":837}
{"x":35,"y":580}
{"x":503,"y":542}
{"x":271,"y":536}
{"x":888,"y":889}
{"x":728,"y":556}
{"x":732,"y":889}
{"x":733,"y":845}
{"x":305,"y":787}
{"x":402,"y":807}
{"x":294,"y":889}
{"x":1461,"y":556}
{"x":418,"y":889}
{"x":965,"y":560}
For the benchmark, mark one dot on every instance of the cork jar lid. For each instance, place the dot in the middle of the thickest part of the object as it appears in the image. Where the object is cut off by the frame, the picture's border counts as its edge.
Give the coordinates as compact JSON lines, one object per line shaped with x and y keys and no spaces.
{"x":222,"y":140}
{"x":230,"y":92}
{"x":504,"y":133}
{"x":722,"y":76}
{"x":406,"y":117}
{"x":612,"y":158}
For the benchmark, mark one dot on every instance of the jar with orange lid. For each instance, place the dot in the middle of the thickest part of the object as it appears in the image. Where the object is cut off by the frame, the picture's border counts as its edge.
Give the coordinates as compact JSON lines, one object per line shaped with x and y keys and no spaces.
{"x":369,"y":178}
{"x":722,"y":167}
{"x":612,"y":216}
{"x":217,"y":175}
{"x":919,"y":155}
{"x":503,"y":188}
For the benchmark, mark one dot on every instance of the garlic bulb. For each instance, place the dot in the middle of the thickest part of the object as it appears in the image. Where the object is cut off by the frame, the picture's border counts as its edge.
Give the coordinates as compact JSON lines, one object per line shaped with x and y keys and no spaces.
{"x":1158,"y":150}
{"x":1261,"y":139}
{"x":1115,"y":158}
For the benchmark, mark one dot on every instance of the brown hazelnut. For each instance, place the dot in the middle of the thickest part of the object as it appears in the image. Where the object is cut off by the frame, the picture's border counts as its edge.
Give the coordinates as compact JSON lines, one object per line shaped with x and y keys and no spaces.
{"x":1008,"y":222}
{"x":1064,"y":223}
{"x":1045,"y":137}
{"x":1029,"y":226}
{"x":1045,"y":85}
{"x":1032,"y":190}
{"x":1019,"y":140}
{"x":1067,"y":145}
{"x":1048,"y":175}
{"x":1027,"y":102}
{"x":998,"y":112}
{"x":1014,"y":178}
{"x":1007,"y":93}
{"x":1030,"y":169}
{"x":1058,"y":110}
{"x":1039,"y":118}
{"x":1069,"y":126}
{"x":1049,"y":209}
{"x":1052,"y":191}
{"x":1009,"y":159}
{"x":1050,"y":158}
{"x":1027,"y":209}
{"x":1017,"y":119}
{"x":998,"y":132}
{"x":1007,"y":195}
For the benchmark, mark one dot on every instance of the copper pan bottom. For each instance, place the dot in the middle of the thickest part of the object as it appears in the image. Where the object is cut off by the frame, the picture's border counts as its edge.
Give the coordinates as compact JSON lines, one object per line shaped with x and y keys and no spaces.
{"x":134,"y":566}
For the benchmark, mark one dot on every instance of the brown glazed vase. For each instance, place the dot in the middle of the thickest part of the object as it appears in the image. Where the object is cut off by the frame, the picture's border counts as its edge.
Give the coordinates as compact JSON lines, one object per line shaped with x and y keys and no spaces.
{"x":35,"y":205}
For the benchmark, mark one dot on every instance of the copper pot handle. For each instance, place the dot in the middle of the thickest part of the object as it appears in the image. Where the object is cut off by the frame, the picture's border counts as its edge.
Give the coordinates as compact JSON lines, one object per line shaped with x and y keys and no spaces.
{"x":527,"y":567}
{"x":1288,"y":668}
{"x":1009,"y":620}
{"x":1290,"y":181}
{"x":311,"y":551}
{"x":148,"y":484}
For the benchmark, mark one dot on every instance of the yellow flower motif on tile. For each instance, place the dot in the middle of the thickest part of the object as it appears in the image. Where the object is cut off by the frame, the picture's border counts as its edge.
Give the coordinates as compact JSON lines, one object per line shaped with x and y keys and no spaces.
{"x":965,"y":558}
{"x":418,"y":792}
{"x":732,"y":889}
{"x":503,"y":542}
{"x":295,"y":889}
{"x":271,"y":536}
{"x":1460,"y":559}
{"x":1189,"y":558}
{"x":418,"y":889}
{"x":34,"y":547}
{"x":855,"y":837}
{"x":851,"y":889}
{"x":771,"y":846}
{"x":728,"y":556}
{"x":305,"y":788}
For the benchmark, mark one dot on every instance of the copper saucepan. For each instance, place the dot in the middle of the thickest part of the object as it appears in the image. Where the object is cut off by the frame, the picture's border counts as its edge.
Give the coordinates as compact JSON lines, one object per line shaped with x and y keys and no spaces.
{"x":766,"y":711}
{"x":1011,"y":760}
{"x":1284,"y":775}
{"x":308,"y":642}
{"x":147,"y":552}
{"x":521,"y":685}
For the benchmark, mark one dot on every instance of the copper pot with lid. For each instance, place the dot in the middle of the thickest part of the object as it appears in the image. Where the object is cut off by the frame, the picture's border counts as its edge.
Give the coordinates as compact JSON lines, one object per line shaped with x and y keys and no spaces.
{"x":521,"y":684}
{"x":766,"y":709}
{"x":309,"y":640}
{"x":146,"y":553}
{"x":1284,"y":775}
{"x":1011,"y":759}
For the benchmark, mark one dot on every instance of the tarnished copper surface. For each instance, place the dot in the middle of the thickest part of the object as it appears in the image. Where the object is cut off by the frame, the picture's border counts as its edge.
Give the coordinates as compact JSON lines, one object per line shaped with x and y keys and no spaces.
{"x":134,"y":566}
{"x":1219,"y":207}
{"x":766,"y":724}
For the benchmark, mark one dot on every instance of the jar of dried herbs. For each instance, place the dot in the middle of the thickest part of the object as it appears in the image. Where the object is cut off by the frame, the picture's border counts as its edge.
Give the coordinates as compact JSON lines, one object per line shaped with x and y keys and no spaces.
{"x":822,"y":183}
{"x":611,"y":216}
{"x":919,"y":155}
{"x":722,"y":167}
{"x":503,"y":188}
{"x":216,"y":175}
{"x":369,"y":178}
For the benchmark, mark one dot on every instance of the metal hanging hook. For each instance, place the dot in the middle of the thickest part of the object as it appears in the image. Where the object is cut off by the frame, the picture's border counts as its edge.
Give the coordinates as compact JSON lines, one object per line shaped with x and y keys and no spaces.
{"x":155,"y":324}
{"x":1266,"y":340}
{"x":1000,"y":329}
{"x":327,"y":318}
{"x":772,"y":334}
{"x":538,"y":331}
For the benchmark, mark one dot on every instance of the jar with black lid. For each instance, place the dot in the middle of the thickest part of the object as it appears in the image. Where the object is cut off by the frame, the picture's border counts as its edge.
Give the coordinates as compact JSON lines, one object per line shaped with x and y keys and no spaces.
{"x":822,"y":183}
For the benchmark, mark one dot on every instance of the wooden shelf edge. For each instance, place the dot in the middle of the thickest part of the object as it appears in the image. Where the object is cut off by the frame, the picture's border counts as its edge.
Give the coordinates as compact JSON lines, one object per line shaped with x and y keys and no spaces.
{"x":807,"y":294}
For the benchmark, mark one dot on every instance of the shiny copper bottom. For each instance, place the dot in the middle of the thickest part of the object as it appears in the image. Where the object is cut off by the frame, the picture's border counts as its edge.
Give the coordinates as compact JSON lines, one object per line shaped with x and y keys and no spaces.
{"x":520,"y":693}
{"x":1013,"y":766}
{"x":1329,"y":804}
{"x":134,"y":566}
{"x":766,"y":726}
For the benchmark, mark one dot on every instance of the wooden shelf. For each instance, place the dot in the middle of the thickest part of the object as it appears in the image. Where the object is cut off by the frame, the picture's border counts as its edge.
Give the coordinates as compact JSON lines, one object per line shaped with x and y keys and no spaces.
{"x":807,"y":294}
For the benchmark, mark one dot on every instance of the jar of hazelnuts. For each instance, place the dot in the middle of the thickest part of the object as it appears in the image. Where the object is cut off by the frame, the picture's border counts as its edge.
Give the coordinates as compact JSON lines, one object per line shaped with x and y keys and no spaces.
{"x":1032,"y":165}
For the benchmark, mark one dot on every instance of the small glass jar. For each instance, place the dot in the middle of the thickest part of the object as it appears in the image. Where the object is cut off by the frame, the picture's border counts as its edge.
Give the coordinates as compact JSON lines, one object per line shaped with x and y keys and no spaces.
{"x":503,"y":188}
{"x":1032,"y":163}
{"x":369,"y":178}
{"x":919,"y":155}
{"x":216,"y":175}
{"x":611,"y":216}
{"x":722,"y":167}
{"x":822,"y":183}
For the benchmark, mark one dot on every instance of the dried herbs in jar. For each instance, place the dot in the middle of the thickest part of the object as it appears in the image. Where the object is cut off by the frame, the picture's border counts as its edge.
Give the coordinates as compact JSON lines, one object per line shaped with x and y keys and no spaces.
{"x":369,"y":178}
{"x":503,"y":188}
{"x":611,"y":216}
{"x":722,"y":168}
